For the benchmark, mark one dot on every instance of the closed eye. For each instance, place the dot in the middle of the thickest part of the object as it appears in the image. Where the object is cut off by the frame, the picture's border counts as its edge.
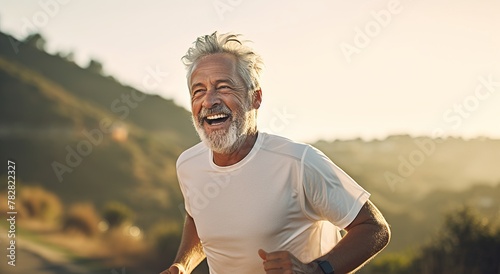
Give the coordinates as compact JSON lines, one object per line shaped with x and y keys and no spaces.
{"x":197,"y":92}
{"x":224,"y":87}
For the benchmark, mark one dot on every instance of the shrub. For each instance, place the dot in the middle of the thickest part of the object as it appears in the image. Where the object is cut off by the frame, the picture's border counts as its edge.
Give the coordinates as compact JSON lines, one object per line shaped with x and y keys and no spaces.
{"x":82,"y":218}
{"x":117,"y":214}
{"x":38,"y":203}
{"x":465,"y":244}
{"x":165,"y":238}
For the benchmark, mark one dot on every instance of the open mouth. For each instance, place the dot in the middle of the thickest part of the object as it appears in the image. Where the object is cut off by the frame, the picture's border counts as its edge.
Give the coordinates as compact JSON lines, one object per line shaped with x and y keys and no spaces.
{"x":216,"y":119}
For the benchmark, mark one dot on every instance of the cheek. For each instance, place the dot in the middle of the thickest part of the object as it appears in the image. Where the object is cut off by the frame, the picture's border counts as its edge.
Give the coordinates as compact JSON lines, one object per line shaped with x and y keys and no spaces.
{"x":195,"y":107}
{"x":238,"y":103}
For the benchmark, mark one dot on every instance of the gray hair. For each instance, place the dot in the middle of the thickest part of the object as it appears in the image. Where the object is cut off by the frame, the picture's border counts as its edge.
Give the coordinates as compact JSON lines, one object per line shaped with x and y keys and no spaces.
{"x":249,"y":64}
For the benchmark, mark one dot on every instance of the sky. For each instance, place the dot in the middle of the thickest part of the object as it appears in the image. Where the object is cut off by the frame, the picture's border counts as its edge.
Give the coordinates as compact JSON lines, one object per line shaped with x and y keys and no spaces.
{"x":333,"y":69}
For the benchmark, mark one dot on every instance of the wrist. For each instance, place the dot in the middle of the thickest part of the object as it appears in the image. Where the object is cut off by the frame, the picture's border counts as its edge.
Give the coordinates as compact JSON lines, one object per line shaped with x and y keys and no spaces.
{"x":325,"y":267}
{"x":180,"y":267}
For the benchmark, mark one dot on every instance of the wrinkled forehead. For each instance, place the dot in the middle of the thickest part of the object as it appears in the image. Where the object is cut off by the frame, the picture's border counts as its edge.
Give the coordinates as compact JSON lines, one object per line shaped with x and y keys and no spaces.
{"x":214,"y":65}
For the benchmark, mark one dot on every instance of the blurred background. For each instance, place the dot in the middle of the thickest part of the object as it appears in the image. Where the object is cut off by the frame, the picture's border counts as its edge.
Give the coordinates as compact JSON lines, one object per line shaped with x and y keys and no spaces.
{"x":94,"y":111}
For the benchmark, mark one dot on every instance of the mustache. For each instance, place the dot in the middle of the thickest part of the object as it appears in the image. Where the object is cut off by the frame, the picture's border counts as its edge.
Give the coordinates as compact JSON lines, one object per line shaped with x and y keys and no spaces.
{"x":204,"y":112}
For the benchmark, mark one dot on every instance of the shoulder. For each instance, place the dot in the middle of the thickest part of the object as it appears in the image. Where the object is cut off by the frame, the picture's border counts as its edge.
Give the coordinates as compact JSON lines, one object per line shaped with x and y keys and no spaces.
{"x":192,"y":153}
{"x":306,"y":154}
{"x":292,"y":148}
{"x":275,"y":144}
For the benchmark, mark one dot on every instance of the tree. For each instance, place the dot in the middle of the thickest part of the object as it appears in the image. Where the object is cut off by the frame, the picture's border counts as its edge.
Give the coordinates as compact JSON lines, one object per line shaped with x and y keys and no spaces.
{"x":68,"y":56}
{"x":465,"y":244}
{"x":117,"y":214}
{"x":95,"y":66}
{"x":82,"y":218}
{"x":36,"y":40}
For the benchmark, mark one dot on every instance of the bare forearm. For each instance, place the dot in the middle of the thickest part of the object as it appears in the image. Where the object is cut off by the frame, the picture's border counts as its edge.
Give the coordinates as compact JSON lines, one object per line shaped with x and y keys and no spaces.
{"x":346,"y":259}
{"x":362,"y":242}
{"x":190,"y":252}
{"x":190,"y":256}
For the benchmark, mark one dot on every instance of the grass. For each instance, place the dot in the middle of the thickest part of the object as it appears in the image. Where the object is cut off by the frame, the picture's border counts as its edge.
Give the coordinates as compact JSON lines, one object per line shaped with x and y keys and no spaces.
{"x":36,"y":234}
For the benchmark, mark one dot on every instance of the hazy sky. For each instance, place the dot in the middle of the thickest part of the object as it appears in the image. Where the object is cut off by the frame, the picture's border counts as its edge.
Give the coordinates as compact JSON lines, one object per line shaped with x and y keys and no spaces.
{"x":334,"y":69}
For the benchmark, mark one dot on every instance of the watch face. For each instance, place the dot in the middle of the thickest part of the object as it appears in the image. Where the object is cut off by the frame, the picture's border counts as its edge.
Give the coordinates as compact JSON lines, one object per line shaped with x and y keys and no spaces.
{"x":326,"y":267}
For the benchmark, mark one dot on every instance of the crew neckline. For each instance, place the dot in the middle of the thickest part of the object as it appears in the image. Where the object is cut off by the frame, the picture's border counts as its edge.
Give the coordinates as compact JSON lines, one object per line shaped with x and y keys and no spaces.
{"x":256,"y":147}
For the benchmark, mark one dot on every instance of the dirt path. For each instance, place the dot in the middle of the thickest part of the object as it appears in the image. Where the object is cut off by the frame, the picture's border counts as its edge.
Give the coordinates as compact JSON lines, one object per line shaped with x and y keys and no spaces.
{"x":34,"y":258}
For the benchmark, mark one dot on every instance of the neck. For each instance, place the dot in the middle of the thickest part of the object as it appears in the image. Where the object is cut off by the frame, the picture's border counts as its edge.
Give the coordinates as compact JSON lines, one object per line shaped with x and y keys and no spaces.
{"x":234,"y":157}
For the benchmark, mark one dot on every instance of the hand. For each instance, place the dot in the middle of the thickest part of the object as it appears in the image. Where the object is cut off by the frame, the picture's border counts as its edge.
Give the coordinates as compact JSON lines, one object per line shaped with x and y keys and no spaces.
{"x":174,"y":269}
{"x":283,"y":262}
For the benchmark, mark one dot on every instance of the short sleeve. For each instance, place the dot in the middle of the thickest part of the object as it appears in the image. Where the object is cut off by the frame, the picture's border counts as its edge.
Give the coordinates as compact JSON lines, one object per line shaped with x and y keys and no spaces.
{"x":329,"y":193}
{"x":183,"y":191}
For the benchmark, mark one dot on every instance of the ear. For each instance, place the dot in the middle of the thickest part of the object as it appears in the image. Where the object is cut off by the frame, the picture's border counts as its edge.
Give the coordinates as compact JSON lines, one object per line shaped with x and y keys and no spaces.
{"x":257,"y":99}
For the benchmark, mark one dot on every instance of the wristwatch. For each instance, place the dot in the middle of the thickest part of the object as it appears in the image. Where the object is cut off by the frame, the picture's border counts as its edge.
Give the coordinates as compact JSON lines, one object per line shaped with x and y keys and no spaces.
{"x":326,"y":267}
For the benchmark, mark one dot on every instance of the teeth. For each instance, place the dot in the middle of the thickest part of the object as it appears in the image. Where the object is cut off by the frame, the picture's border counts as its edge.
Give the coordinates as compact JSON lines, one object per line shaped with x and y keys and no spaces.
{"x":216,"y":116}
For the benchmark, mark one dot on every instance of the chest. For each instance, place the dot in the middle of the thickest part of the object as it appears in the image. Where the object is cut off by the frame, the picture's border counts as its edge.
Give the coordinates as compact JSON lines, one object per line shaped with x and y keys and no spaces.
{"x":245,"y":206}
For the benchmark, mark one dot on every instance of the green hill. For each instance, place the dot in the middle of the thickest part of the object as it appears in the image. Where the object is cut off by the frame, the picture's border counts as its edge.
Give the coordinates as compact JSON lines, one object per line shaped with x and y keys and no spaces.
{"x":102,"y":91}
{"x":86,"y":137}
{"x":415,"y":181}
{"x":59,"y":125}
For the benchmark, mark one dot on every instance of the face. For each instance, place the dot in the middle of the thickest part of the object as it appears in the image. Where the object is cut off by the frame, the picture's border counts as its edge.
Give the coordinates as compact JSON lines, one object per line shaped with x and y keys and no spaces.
{"x":223,"y":112}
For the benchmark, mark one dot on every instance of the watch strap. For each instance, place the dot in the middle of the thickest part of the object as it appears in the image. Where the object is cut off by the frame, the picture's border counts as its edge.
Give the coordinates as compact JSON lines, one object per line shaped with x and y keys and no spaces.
{"x":326,"y":267}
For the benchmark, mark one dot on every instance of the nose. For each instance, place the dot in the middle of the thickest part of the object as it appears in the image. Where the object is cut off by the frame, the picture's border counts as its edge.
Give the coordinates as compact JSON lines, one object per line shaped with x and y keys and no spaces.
{"x":211,"y":99}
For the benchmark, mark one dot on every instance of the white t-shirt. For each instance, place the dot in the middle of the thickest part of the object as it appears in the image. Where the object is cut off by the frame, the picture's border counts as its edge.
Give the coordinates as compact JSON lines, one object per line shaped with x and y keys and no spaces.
{"x":282,"y":196}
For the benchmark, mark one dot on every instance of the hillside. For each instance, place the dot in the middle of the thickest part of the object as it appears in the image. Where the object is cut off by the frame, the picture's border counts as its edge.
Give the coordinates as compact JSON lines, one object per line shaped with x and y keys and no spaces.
{"x":103,"y":91}
{"x":414,"y":192}
{"x":64,"y":136}
{"x":417,"y":165}
{"x":87,"y":138}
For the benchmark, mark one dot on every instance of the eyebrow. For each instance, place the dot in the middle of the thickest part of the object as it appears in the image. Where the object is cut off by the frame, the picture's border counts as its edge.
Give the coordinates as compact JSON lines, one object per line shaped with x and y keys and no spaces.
{"x":216,"y":82}
{"x":196,"y":85}
{"x":229,"y":81}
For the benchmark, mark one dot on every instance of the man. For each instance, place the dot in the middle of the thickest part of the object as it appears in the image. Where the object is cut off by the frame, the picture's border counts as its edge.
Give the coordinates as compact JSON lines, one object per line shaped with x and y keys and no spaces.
{"x":256,"y":202}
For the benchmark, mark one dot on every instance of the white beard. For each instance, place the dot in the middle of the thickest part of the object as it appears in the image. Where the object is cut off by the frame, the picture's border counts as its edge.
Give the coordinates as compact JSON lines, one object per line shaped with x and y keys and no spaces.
{"x":225,"y":142}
